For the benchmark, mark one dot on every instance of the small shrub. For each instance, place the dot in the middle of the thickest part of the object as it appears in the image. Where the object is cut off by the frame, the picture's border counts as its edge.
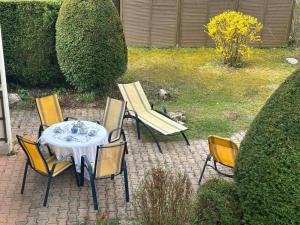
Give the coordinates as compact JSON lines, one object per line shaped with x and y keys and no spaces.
{"x":216,"y":203}
{"x":87,"y":97}
{"x":164,"y":198}
{"x":24,"y":94}
{"x":268,"y":163}
{"x":232,"y":33}
{"x":90,"y":44}
{"x":11,"y":153}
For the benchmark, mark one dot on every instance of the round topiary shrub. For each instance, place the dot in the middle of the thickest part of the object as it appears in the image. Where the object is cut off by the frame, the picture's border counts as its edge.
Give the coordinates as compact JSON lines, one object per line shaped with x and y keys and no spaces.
{"x":216,"y":203}
{"x":90,"y":43}
{"x":268,"y":163}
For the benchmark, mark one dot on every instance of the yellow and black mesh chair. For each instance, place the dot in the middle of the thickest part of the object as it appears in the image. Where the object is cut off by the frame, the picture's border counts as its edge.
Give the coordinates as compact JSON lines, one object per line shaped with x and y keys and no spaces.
{"x":223,"y":151}
{"x":113,"y":120}
{"x":139,"y":109}
{"x":50,"y":167}
{"x":109,"y":162}
{"x":49,"y":111}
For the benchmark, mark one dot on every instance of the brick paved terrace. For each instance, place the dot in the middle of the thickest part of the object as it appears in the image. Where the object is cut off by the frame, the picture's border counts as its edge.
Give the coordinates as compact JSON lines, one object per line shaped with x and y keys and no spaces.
{"x":69,"y":204}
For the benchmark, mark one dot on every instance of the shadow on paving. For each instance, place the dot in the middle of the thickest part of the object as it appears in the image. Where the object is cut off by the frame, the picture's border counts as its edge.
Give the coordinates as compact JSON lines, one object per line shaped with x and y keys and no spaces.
{"x":68,"y":204}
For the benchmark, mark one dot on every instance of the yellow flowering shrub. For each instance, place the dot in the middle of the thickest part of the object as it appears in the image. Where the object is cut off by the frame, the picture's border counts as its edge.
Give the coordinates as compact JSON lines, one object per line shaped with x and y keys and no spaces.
{"x":233,"y":32}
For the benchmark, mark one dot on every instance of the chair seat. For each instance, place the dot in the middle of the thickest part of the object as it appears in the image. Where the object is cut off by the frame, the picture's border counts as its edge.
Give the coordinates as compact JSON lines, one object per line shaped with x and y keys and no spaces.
{"x":60,"y":167}
{"x":160,"y":122}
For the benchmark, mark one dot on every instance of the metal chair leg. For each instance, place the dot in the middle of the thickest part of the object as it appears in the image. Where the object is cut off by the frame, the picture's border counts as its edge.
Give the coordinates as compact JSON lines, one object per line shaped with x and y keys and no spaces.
{"x":24,"y":178}
{"x":137,"y":122}
{"x":185,"y":138}
{"x":48,"y":188}
{"x":126,"y":181}
{"x":125,"y":140}
{"x":75,"y":172}
{"x":92,"y":181}
{"x":49,"y":150}
{"x":153,"y":136}
{"x":126,"y":148}
{"x":81,"y":180}
{"x":221,"y":173}
{"x":205,"y":164}
{"x":41,"y":129}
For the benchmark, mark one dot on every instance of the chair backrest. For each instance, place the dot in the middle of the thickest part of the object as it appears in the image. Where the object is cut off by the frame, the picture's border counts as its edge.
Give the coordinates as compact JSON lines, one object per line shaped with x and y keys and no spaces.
{"x":135,"y":96}
{"x":223,"y":150}
{"x":34,"y":155}
{"x":113,"y":116}
{"x":49,"y":110}
{"x":109,"y":159}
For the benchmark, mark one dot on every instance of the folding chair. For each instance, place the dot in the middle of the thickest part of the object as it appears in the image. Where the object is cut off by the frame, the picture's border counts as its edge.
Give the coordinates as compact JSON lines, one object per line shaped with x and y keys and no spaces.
{"x":109,"y":162}
{"x":50,"y":167}
{"x":139,"y":108}
{"x":223,"y":151}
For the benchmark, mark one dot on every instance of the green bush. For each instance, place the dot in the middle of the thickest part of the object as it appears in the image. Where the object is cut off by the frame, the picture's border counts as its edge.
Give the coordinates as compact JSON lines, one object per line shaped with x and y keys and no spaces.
{"x":90,"y":43}
{"x":216,"y":203}
{"x":268,"y":163}
{"x":28,"y":29}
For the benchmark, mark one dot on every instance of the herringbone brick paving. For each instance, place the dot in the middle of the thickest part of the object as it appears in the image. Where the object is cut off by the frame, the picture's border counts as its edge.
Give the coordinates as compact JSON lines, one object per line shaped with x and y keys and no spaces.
{"x":68,"y":204}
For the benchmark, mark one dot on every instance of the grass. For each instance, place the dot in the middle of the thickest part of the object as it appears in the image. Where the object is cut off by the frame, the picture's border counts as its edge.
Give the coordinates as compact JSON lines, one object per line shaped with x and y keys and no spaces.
{"x":200,"y":86}
{"x":206,"y":90}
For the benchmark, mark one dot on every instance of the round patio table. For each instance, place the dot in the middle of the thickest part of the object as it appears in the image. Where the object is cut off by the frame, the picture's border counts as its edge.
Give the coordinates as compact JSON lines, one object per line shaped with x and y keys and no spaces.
{"x":63,"y":142}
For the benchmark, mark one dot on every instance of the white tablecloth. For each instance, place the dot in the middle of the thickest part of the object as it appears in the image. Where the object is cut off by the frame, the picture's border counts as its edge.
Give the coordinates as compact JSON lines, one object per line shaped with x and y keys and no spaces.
{"x":81,"y":144}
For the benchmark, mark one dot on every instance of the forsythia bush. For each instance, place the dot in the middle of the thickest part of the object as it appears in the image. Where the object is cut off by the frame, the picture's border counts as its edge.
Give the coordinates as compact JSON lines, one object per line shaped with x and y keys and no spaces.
{"x":233,"y":32}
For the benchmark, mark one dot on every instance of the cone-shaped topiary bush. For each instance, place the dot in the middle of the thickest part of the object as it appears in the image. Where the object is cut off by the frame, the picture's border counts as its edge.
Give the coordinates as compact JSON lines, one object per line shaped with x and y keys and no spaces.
{"x":268,"y":163}
{"x":90,"y":43}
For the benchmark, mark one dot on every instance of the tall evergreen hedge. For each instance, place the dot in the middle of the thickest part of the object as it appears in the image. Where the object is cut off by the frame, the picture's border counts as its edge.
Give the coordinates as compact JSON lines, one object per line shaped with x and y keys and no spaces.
{"x":28,"y":29}
{"x":268,"y":163}
{"x":90,"y":43}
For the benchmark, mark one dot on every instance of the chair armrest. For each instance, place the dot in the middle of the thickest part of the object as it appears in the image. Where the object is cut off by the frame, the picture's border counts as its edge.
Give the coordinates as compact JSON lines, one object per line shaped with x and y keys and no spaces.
{"x":164,"y":112}
{"x":70,"y":118}
{"x":164,"y":108}
{"x":134,"y":112}
{"x":115,"y":130}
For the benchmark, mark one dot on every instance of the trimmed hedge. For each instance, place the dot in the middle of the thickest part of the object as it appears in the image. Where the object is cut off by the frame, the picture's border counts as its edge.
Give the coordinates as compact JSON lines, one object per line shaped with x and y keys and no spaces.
{"x":217,"y":203}
{"x":268,"y":163}
{"x":90,"y":44}
{"x":28,"y":29}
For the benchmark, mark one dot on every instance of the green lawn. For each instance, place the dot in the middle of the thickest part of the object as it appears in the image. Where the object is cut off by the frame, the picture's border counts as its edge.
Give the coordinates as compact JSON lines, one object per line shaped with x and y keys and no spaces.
{"x":200,"y":86}
{"x":206,"y":90}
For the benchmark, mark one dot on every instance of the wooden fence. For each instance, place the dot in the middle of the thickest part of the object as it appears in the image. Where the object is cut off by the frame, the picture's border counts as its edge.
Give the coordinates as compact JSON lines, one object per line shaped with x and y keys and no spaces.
{"x":166,"y":23}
